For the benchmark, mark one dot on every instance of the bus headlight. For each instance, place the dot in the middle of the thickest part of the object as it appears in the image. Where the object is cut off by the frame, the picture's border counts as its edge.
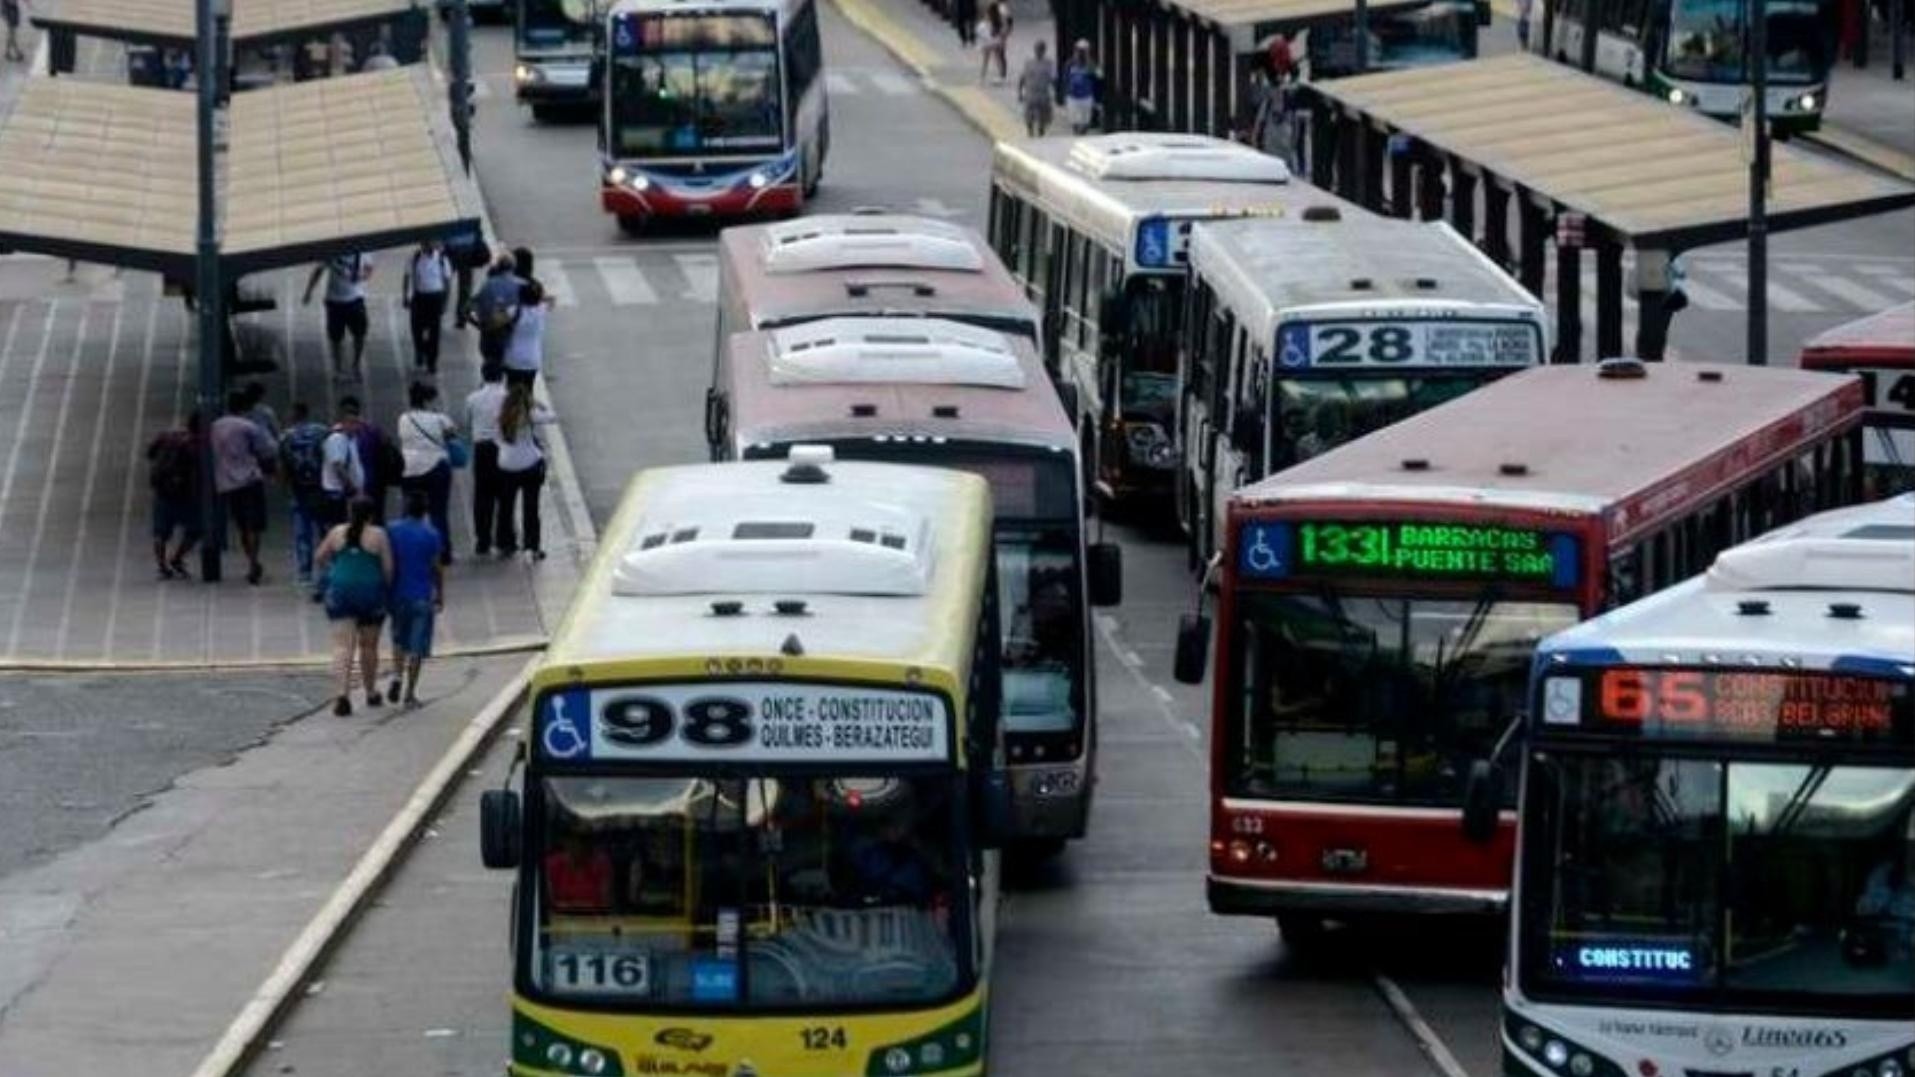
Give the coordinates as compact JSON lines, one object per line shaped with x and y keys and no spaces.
{"x":526,"y":74}
{"x":559,"y":1054}
{"x":1677,"y":97}
{"x":1555,"y":1053}
{"x":1581,"y":1064}
{"x":593,"y":1062}
{"x":1148,"y":445}
{"x":758,"y":181}
{"x":1806,"y":102}
{"x":1531,"y":1038}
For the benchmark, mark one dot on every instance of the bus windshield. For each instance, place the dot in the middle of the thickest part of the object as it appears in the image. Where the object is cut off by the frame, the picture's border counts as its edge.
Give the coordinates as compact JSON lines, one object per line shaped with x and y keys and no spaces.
{"x":1707,"y":38}
{"x":1376,"y":699}
{"x":556,"y":24}
{"x":1315,"y":415}
{"x":1154,"y":311}
{"x":1043,"y":628}
{"x":693,"y":84}
{"x":1723,"y":884}
{"x":749,"y":893}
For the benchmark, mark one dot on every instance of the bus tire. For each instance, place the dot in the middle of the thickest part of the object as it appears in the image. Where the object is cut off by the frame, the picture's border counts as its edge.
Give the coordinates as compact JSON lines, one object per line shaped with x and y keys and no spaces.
{"x":814,"y":174}
{"x":1301,"y":932}
{"x":544,"y":113}
{"x":632,"y":224}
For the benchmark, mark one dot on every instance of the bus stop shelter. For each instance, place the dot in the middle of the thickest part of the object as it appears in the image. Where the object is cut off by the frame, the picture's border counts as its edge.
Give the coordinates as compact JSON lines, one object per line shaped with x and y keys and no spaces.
{"x":256,"y":24}
{"x":1571,"y":157}
{"x":310,"y":170}
{"x":1184,"y":65}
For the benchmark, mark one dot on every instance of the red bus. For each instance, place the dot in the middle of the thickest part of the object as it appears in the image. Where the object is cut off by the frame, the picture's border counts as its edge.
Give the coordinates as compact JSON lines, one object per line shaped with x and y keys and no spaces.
{"x":1880,"y":348}
{"x":1380,"y":602}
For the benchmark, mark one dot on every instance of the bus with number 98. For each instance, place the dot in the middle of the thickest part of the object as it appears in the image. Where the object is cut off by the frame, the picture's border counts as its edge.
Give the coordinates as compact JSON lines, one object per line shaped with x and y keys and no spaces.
{"x":763,"y":782}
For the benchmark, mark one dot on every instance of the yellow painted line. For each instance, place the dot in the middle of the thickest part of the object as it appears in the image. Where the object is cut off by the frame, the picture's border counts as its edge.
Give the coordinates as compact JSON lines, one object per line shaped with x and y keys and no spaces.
{"x":28,"y":664}
{"x":274,"y":996}
{"x":984,"y":111}
{"x":1505,"y":8}
{"x":1863,"y":148}
{"x":905,"y":45}
{"x":974,"y":103}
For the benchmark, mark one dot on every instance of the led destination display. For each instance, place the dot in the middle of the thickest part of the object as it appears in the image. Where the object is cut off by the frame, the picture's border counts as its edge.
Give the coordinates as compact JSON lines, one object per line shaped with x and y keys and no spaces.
{"x":1409,"y":549}
{"x":1732,"y":704}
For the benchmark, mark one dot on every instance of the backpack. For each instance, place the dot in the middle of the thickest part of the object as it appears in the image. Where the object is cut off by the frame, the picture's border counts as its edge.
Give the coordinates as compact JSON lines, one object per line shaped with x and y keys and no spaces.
{"x":384,"y":464}
{"x":304,"y":454}
{"x":175,"y":465}
{"x":496,"y":307}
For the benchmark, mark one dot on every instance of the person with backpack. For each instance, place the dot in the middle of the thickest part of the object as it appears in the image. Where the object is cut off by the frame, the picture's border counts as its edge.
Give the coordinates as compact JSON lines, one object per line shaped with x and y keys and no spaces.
{"x":302,"y":467}
{"x":423,"y":293}
{"x":429,"y":442}
{"x":495,"y":310}
{"x":342,"y":474}
{"x":346,"y":276}
{"x":356,"y":561}
{"x":482,"y":407}
{"x":242,"y":454}
{"x":173,"y":462}
{"x":380,"y":461}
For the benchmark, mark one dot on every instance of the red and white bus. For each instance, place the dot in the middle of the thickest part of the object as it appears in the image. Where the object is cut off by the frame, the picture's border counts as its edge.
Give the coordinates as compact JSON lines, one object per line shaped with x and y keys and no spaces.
{"x":711,"y":108}
{"x":1379,"y":605}
{"x":1880,"y":348}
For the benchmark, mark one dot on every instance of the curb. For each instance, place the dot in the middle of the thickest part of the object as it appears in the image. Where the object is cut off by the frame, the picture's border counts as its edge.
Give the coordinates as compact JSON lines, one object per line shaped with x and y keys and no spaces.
{"x":503,"y":646}
{"x":978,"y":108}
{"x":1864,"y":149}
{"x":241,"y":1039}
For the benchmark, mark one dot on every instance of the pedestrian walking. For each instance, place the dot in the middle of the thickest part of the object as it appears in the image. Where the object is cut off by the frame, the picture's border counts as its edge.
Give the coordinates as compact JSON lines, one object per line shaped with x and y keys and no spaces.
{"x":10,"y":11}
{"x":302,"y":467}
{"x":525,"y":352}
{"x":496,"y":308}
{"x":1523,"y":10}
{"x":342,"y":474}
{"x":173,"y":462}
{"x":356,"y":561}
{"x":469,"y":254}
{"x":482,"y":407}
{"x":346,"y":276}
{"x":1036,"y":89}
{"x":242,"y":454}
{"x":964,"y":14}
{"x":996,"y":29}
{"x":379,"y":58}
{"x":521,"y":472}
{"x":380,"y":462}
{"x":260,"y":412}
{"x":429,"y":442}
{"x":1081,"y":82}
{"x":418,"y":594}
{"x":1281,"y":61}
{"x":424,"y":291}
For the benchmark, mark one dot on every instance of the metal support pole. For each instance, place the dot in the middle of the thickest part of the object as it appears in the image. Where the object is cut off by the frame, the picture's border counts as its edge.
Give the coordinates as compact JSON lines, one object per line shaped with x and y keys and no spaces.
{"x":1569,"y":304}
{"x":1160,"y":75}
{"x":1065,"y":31}
{"x":1532,"y":224}
{"x":1349,"y":180}
{"x":1656,"y":303}
{"x":1182,"y":88}
{"x":1587,"y":61}
{"x":1223,"y":78}
{"x":1402,"y":185}
{"x":1758,"y":115}
{"x":1897,"y":39}
{"x":1360,"y":32}
{"x":1608,"y":298}
{"x":209,"y":289}
{"x":1462,"y":201}
{"x":1496,"y":222}
{"x":459,"y":89}
{"x":1117,"y":100}
{"x":1374,"y":146}
{"x":1429,"y":186}
{"x":1201,"y":90}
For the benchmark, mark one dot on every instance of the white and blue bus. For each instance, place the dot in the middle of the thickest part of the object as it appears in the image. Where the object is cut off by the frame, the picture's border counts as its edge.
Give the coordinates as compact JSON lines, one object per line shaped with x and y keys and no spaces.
{"x":553,"y":46}
{"x":712,"y":108}
{"x":1716,"y":856}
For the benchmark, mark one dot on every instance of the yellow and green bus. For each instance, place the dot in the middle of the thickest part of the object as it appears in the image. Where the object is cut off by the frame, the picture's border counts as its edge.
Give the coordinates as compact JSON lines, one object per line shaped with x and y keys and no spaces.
{"x":764,"y":783}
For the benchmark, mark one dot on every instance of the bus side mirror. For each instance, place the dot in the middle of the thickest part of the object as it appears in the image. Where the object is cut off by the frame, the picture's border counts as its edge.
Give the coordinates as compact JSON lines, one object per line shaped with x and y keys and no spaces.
{"x":1106,"y":574}
{"x":499,"y":822}
{"x":714,"y":422}
{"x":1193,"y":646}
{"x":996,"y":817}
{"x":1480,"y":802}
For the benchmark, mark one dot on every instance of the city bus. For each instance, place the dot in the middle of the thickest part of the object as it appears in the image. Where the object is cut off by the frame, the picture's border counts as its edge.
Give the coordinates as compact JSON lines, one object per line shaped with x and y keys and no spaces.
{"x":763,"y":787}
{"x":1881,"y":349}
{"x":1097,"y":230}
{"x":863,"y":264}
{"x":1717,"y":865}
{"x":1306,"y":331}
{"x":554,"y":44}
{"x":945,"y":394}
{"x":1380,"y":603}
{"x":1693,"y":53}
{"x":712,"y":108}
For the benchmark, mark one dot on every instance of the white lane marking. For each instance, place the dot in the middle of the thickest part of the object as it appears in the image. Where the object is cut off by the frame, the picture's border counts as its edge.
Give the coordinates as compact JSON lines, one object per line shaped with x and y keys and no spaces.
{"x":1426,"y":1038}
{"x":1891,"y":276}
{"x":932,"y":207}
{"x":92,"y":479}
{"x":134,"y":452}
{"x":837,"y":83}
{"x":1703,"y":297}
{"x":47,"y":480}
{"x":558,"y":283}
{"x":1781,"y":297}
{"x":1166,"y":703}
{"x":624,"y":283}
{"x":701,"y":276}
{"x":891,"y":83}
{"x":1819,"y":277}
{"x":26,"y":415}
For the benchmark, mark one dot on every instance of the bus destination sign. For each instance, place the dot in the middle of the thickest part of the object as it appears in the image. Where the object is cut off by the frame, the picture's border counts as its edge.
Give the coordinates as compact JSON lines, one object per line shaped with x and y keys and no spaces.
{"x":1388,"y":343}
{"x":1408,"y":549}
{"x":1732,"y":704}
{"x":744,"y":722}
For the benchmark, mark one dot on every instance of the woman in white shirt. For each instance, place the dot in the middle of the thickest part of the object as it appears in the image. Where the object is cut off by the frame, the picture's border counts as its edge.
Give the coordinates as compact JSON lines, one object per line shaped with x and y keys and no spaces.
{"x":424,"y":437}
{"x":521,"y":470}
{"x":525,"y":351}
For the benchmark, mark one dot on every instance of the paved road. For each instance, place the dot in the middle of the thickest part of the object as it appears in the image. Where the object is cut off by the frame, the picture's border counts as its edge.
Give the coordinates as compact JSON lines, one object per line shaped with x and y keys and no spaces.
{"x":1110,"y":964}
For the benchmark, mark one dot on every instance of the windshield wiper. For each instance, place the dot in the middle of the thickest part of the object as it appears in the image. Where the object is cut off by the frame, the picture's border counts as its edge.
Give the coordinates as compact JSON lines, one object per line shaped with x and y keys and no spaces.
{"x":1798,"y":804}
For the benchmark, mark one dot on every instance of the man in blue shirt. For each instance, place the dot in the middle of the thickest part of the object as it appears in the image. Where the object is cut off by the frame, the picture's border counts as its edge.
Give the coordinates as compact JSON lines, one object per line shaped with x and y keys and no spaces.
{"x":418,"y":593}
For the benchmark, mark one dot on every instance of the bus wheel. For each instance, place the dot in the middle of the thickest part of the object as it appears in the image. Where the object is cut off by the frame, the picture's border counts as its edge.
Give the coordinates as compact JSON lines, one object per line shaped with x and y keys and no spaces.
{"x":813,"y":177}
{"x":544,"y":113}
{"x":1301,"y":932}
{"x":632,"y":224}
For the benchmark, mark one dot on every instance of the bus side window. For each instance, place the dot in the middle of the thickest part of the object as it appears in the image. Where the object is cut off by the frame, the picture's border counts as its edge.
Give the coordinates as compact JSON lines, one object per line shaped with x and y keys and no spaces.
{"x":802,"y":55}
{"x":1220,"y":333}
{"x":1097,"y":278}
{"x":1661,"y":562}
{"x":1625,"y":577}
{"x":1194,"y":356}
{"x":1080,"y":294}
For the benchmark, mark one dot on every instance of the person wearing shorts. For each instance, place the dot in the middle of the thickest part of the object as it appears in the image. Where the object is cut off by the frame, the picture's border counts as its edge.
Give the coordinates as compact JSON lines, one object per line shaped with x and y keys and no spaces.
{"x":242,"y":453}
{"x":346,"y":276}
{"x":418,"y":593}
{"x":356,"y":562}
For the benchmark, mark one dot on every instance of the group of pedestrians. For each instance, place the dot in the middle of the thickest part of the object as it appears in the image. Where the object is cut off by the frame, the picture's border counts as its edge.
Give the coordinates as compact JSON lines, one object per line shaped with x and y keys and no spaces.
{"x":1039,"y":87}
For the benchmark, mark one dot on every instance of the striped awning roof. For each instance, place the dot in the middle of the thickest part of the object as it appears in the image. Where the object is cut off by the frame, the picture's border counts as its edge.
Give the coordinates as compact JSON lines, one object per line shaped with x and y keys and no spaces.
{"x":170,"y":22}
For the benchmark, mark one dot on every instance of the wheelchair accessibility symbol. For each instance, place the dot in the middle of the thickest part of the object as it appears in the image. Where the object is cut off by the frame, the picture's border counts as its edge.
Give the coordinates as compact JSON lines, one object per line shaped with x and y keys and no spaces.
{"x":1294,"y":347}
{"x":1261,"y":555}
{"x":562,"y":738}
{"x":1562,"y":700}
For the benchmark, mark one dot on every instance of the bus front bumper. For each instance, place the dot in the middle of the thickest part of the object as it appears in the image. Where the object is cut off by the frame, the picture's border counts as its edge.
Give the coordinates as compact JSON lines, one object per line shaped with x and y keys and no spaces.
{"x":663,"y":199}
{"x":1269,"y":897}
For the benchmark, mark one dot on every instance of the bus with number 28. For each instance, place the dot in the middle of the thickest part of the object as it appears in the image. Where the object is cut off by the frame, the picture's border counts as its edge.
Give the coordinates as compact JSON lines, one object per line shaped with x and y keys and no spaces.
{"x":763,"y":788}
{"x":1379,"y":605}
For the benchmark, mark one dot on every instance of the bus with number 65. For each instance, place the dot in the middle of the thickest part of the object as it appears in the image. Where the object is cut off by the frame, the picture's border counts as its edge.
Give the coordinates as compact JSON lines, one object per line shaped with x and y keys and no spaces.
{"x":763,"y":784}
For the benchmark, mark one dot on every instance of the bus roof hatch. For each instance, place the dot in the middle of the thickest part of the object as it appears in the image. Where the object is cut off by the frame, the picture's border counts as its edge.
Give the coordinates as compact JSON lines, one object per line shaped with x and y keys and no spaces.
{"x":1133,"y":155}
{"x":1867,"y":548}
{"x":866,"y":241}
{"x":916,"y":351}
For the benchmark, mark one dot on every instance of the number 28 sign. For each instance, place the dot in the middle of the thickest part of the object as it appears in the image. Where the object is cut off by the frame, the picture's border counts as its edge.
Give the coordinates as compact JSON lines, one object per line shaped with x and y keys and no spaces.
{"x":1397,"y":343}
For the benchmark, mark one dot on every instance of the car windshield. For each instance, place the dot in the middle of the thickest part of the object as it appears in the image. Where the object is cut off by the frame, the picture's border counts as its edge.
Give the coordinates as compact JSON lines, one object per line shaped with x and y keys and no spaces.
{"x":1737,"y":885}
{"x":696,"y":84}
{"x":749,"y":893}
{"x":1707,"y":41}
{"x":1315,"y":415}
{"x":1043,"y":626}
{"x":1376,"y":699}
{"x":551,"y":24}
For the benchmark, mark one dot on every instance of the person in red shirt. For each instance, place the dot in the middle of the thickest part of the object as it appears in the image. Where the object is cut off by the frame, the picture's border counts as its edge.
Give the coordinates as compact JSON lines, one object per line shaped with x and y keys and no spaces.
{"x":578,"y":877}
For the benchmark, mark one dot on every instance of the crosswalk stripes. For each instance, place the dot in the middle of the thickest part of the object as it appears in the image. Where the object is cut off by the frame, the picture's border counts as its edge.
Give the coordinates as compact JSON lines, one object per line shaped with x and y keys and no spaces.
{"x":1841,"y":287}
{"x":1781,"y":296}
{"x":891,"y":83}
{"x":855,"y":81}
{"x":1704,"y":297}
{"x":558,"y":283}
{"x":701,"y":276}
{"x":624,"y":283}
{"x":837,"y":84}
{"x":1891,"y":276}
